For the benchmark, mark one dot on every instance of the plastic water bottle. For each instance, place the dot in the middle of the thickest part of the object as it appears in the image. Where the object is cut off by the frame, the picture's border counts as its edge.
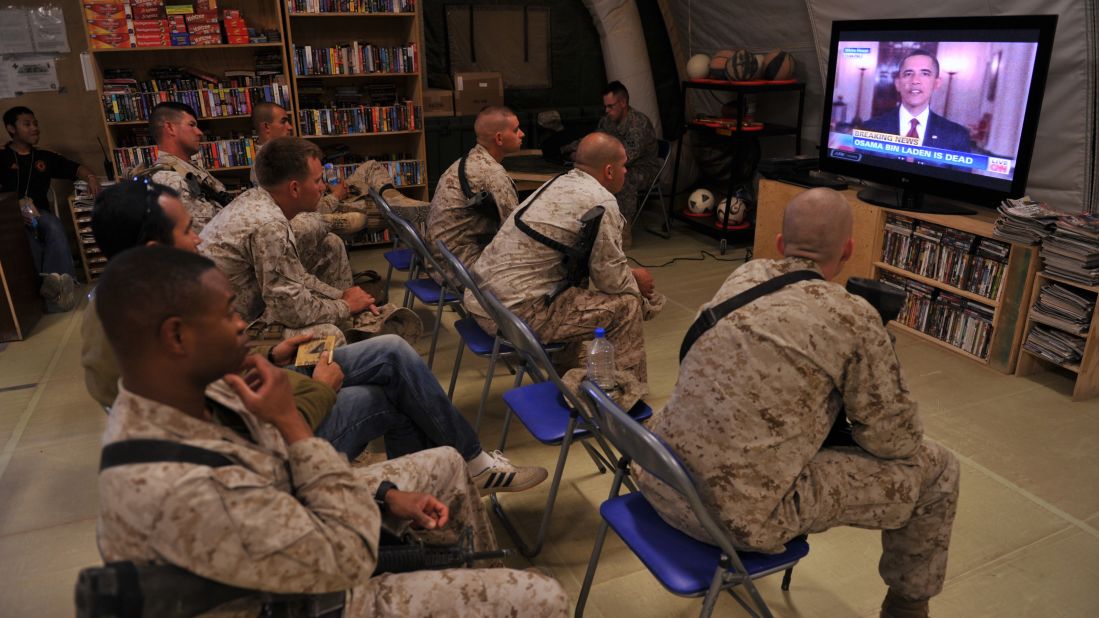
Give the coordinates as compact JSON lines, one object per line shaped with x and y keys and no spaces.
{"x":330,"y":175}
{"x":601,"y":361}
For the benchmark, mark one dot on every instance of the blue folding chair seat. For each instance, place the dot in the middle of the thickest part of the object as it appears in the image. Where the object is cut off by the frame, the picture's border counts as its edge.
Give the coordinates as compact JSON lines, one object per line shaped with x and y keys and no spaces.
{"x":684,"y":565}
{"x":542,"y":410}
{"x":399,"y":259}
{"x":427,"y":292}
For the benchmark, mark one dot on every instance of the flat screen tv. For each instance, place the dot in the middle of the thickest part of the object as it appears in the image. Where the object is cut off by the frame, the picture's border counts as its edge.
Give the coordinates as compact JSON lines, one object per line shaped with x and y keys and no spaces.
{"x":936,"y":108}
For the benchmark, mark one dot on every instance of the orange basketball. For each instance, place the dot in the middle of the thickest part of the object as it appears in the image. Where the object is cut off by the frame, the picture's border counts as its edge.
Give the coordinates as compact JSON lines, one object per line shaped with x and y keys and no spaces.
{"x":777,"y":65}
{"x":718,"y":62}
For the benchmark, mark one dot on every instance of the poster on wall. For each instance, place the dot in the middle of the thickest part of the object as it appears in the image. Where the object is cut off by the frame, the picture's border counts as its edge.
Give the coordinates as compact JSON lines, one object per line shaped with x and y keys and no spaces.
{"x":15,"y":32}
{"x":32,"y":74}
{"x":48,"y":30}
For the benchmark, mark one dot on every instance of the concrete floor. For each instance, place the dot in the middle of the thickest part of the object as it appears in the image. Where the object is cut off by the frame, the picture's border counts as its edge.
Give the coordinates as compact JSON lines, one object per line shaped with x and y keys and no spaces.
{"x":1026,"y":538}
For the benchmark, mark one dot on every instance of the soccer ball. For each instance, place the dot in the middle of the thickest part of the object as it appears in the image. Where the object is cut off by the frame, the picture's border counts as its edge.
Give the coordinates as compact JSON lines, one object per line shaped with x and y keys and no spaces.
{"x":701,"y":201}
{"x":737,"y":208}
{"x":698,"y":66}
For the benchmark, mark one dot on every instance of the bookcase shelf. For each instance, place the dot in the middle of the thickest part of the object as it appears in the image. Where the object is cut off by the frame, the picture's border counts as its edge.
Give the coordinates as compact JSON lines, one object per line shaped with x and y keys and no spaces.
{"x":227,"y":77}
{"x":938,"y":284}
{"x":1086,"y":371}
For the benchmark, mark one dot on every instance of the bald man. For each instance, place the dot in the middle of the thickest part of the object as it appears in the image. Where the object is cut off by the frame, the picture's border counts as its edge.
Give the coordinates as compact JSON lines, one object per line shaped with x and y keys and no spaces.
{"x":465,"y":230}
{"x":522,"y":271}
{"x":758,"y":393}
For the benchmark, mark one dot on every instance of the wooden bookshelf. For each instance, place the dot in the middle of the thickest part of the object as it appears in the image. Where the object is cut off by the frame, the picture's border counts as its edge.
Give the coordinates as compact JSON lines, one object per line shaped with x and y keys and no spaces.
{"x":261,"y":15}
{"x":382,"y":29}
{"x":1086,"y":372}
{"x":1008,"y":307}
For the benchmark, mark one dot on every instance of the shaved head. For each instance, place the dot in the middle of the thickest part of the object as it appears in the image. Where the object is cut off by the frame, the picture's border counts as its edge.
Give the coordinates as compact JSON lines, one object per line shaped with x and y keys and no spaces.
{"x":817,"y":225}
{"x":492,"y":120}
{"x":598,"y":149}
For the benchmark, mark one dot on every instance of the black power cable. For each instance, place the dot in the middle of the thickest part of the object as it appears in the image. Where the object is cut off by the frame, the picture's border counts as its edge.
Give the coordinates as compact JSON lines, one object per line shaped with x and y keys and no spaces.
{"x":688,"y":258}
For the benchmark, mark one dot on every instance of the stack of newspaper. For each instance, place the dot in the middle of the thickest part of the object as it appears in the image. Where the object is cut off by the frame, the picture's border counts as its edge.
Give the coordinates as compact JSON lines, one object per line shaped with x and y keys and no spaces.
{"x":1072,"y":251}
{"x":1024,"y":221}
{"x":1064,"y":307}
{"x":1054,"y":345}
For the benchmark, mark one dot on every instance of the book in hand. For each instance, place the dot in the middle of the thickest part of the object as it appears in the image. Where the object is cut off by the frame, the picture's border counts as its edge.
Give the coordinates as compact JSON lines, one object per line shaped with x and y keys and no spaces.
{"x":309,"y":353}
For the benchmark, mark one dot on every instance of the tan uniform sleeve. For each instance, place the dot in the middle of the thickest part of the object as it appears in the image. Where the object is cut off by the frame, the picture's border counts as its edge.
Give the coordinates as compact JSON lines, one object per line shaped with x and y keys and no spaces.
{"x":235,"y":527}
{"x":293,"y":296}
{"x":883,"y":415}
{"x":610,"y":272}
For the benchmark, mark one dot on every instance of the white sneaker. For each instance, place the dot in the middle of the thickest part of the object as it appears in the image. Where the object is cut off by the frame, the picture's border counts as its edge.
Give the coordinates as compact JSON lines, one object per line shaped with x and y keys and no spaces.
{"x":503,"y":475}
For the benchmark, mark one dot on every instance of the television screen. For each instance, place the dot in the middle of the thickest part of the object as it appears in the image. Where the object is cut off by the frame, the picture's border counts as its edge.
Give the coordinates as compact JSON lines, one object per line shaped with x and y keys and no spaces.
{"x":943,"y":106}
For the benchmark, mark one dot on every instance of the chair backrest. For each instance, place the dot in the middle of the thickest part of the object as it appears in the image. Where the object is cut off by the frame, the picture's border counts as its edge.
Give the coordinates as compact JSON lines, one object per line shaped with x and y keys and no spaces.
{"x":461,"y":276}
{"x":523,"y":338}
{"x":647,"y":450}
{"x":405,"y":231}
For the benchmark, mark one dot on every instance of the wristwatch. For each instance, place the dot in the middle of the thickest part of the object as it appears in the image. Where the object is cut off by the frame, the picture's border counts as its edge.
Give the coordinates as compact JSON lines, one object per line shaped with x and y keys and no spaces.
{"x":379,"y":496}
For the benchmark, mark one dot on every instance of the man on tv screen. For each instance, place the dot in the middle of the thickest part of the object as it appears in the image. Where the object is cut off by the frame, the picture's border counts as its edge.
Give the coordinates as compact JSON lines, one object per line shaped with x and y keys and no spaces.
{"x":916,"y":80}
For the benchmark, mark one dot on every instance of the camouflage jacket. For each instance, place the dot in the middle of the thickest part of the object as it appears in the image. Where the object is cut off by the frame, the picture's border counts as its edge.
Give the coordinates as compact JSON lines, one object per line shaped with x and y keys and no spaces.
{"x":251,"y":241}
{"x":758,"y":393}
{"x":201,"y":209}
{"x":464,"y":231}
{"x":516,"y":268}
{"x":286,"y":518}
{"x":638,"y":136}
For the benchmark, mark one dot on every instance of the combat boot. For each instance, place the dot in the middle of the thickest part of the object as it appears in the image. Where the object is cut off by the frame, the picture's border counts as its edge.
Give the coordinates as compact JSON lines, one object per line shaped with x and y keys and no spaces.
{"x":896,"y":606}
{"x":399,"y":200}
{"x":345,"y":223}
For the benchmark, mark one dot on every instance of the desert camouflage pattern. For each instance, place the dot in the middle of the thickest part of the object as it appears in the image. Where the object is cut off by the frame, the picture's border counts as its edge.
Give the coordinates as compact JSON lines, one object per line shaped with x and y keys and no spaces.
{"x":636,"y":133}
{"x":254,"y":245}
{"x":464,"y":231}
{"x":520,"y":271}
{"x":295,"y":518}
{"x":322,"y":253}
{"x":755,"y":399}
{"x":201,"y":209}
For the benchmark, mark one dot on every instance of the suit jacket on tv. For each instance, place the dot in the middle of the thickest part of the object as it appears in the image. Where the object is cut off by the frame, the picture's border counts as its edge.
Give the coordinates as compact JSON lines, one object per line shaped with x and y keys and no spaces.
{"x":940,"y":132}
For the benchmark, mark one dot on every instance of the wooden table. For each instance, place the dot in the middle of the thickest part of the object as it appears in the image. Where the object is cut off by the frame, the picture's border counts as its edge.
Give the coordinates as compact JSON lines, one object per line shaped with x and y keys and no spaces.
{"x":529,"y":170}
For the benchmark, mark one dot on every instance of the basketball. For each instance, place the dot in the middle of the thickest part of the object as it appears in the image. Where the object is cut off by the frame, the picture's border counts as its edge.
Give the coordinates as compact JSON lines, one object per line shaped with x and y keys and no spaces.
{"x":741,"y":66}
{"x":717,"y":63}
{"x":760,"y":58}
{"x":778,"y":64}
{"x":701,"y":201}
{"x":698,"y":66}
{"x":737,"y":210}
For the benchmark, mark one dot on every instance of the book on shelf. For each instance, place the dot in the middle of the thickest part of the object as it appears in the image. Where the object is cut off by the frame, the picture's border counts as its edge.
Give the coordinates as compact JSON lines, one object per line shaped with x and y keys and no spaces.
{"x":404,"y":172}
{"x":351,"y":6}
{"x":964,"y":324}
{"x":405,"y":116}
{"x":355,"y":58}
{"x":212,"y":155}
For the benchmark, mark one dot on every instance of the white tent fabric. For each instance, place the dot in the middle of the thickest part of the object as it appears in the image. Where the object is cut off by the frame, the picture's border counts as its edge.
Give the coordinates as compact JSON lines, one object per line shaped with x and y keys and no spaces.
{"x":1064,"y":172}
{"x":624,"y":54}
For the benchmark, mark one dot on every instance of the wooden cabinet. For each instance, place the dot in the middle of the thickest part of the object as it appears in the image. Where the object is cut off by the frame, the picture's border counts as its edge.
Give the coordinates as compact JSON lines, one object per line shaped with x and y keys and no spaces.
{"x":358,"y":89}
{"x":1086,"y":371}
{"x":221,"y":81}
{"x":947,"y":299}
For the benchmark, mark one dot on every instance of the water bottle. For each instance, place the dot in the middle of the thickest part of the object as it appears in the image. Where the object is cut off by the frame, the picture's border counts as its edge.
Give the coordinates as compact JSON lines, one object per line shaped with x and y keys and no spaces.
{"x":330,"y":175}
{"x":601,"y":361}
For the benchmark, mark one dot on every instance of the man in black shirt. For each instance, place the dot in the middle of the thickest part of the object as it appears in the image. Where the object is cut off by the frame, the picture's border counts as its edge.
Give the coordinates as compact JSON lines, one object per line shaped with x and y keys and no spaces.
{"x":28,"y":171}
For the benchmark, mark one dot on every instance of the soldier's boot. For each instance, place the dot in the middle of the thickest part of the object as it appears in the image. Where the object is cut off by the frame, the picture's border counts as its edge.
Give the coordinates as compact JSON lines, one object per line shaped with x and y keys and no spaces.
{"x":896,"y":606}
{"x":397,"y":199}
{"x":345,"y":223}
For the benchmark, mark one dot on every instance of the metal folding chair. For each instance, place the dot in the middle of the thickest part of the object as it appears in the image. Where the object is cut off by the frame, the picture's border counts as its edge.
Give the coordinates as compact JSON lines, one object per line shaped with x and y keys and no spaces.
{"x":482,"y":344}
{"x":551,"y":412}
{"x":425,"y":290}
{"x":682,"y":564}
{"x":663,"y":149}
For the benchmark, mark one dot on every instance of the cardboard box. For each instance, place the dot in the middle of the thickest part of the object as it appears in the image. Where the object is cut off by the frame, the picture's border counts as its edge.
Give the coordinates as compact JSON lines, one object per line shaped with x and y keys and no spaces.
{"x":109,"y":26}
{"x":105,"y":41}
{"x":473,"y":91}
{"x":438,"y":102}
{"x":106,"y":11}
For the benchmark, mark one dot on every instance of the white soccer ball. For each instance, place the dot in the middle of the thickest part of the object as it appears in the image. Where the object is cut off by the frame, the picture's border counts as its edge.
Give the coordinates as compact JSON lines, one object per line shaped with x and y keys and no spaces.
{"x":737,"y":210}
{"x":698,"y":66}
{"x":701,"y":201}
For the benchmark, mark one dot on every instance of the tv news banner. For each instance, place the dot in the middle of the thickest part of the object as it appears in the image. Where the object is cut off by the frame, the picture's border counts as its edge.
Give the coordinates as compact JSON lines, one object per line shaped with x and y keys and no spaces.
{"x":851,"y":145}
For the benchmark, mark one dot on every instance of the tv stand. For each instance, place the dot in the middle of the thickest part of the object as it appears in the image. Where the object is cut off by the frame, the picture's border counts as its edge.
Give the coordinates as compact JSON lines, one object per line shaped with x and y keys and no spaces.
{"x":910,"y":200}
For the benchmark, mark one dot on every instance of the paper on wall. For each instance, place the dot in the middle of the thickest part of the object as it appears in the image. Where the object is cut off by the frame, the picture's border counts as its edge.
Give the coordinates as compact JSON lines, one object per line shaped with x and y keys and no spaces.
{"x":32,"y":74}
{"x":48,"y":30}
{"x":15,"y":32}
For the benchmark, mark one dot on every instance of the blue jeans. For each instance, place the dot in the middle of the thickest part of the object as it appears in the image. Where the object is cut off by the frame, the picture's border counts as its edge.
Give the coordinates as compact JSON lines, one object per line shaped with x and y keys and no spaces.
{"x":50,"y":246}
{"x":388,"y":390}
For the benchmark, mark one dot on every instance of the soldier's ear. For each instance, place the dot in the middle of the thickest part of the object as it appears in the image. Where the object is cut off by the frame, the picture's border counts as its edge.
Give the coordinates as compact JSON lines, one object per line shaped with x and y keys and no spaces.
{"x":171,"y":335}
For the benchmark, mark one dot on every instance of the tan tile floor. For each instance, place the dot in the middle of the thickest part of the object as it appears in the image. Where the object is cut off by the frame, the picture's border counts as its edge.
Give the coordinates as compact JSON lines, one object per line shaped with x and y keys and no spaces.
{"x":1026,"y":540}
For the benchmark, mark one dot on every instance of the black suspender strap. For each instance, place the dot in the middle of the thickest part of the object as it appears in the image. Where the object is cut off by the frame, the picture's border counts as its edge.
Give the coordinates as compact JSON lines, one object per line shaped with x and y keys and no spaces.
{"x":535,"y":234}
{"x":142,"y":451}
{"x":712,"y":315}
{"x":463,"y":180}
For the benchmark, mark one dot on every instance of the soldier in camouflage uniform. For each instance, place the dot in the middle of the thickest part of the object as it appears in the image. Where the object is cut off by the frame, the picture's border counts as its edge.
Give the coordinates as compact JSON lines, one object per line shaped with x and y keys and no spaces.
{"x":174,"y":126}
{"x":289,"y":514}
{"x":636,"y":133}
{"x":465,"y":231}
{"x":758,"y":393}
{"x":521,"y":271}
{"x":252,"y":243}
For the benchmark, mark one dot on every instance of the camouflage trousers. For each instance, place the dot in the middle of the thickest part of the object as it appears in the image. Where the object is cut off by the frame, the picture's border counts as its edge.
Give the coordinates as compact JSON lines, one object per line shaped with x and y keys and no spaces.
{"x":911,"y":500}
{"x":321,"y":253}
{"x":572,"y":318}
{"x":442,"y":473}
